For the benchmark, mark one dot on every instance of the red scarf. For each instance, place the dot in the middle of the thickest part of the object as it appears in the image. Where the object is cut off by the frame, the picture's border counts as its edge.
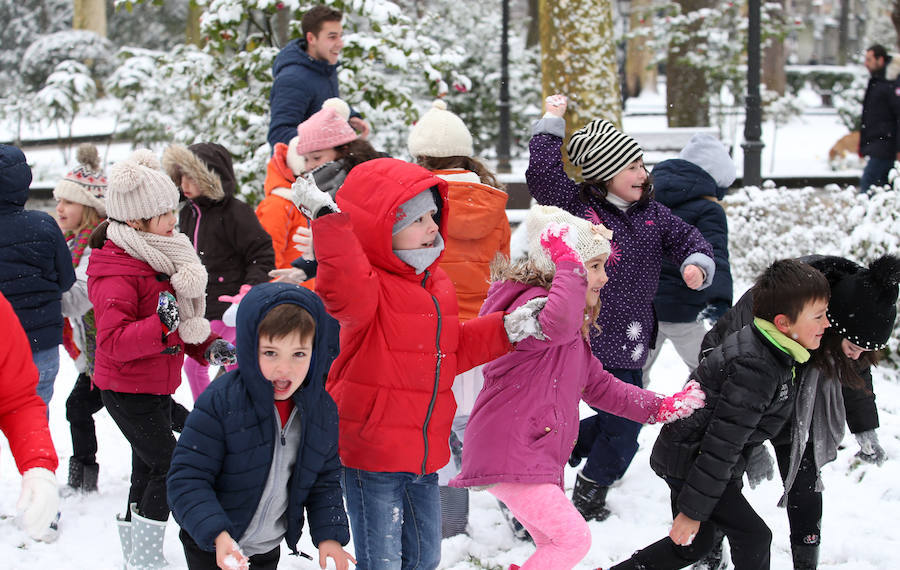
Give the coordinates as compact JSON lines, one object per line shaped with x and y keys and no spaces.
{"x":80,"y":244}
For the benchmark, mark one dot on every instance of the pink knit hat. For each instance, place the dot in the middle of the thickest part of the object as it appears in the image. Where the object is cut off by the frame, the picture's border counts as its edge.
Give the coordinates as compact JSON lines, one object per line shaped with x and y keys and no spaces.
{"x":324,"y":129}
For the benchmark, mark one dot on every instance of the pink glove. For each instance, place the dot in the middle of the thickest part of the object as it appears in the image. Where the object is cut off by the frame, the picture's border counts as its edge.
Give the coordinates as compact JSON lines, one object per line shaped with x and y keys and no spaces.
{"x":557,"y":240}
{"x":236,"y":298}
{"x":680,"y":405}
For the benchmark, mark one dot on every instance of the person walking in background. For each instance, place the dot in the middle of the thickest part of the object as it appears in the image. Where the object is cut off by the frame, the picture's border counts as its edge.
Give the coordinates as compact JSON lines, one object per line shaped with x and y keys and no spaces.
{"x":148,"y":290}
{"x":691,"y":186}
{"x":80,"y":208}
{"x":879,"y":135}
{"x":226,"y":234}
{"x":36,"y":267}
{"x":617,"y":193}
{"x":476,"y":232}
{"x":525,"y":419}
{"x":305,"y":75}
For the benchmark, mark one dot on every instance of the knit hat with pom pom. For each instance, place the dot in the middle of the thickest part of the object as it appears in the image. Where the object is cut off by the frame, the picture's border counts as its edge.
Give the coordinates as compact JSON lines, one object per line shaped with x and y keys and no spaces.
{"x":601,"y":150}
{"x":863,"y":306}
{"x":440,"y":133}
{"x":326,"y":128}
{"x":86,"y":184}
{"x":588,"y":240}
{"x":338,"y":105}
{"x":139,"y":189}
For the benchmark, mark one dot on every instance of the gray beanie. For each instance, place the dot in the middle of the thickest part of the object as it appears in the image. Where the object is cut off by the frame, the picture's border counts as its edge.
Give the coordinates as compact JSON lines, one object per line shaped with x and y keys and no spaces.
{"x":711,"y":155}
{"x":601,"y":150}
{"x":412,"y":209}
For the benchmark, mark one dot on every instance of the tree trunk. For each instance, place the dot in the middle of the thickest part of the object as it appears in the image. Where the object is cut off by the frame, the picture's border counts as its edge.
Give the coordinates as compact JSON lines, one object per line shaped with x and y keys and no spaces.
{"x":90,"y":15}
{"x":640,"y":71}
{"x":687,"y":96}
{"x":895,"y":19}
{"x":774,"y":60}
{"x":578,"y":59}
{"x":843,"y":32}
{"x":534,"y":27}
{"x":192,"y":32}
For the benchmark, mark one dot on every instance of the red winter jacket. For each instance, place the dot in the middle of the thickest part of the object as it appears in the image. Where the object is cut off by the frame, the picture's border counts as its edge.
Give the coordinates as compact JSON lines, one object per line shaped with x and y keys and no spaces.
{"x":23,"y":415}
{"x":401,"y":339}
{"x":132,"y":355}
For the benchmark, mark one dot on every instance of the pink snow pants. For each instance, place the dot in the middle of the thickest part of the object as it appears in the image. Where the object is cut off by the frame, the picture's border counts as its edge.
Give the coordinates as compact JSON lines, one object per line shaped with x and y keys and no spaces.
{"x":559,"y":531}
{"x":198,"y":373}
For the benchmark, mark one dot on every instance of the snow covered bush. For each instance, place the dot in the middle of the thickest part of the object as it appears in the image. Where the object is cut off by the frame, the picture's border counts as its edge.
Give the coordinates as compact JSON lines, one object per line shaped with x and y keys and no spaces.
{"x":765,"y":224}
{"x":46,"y":52}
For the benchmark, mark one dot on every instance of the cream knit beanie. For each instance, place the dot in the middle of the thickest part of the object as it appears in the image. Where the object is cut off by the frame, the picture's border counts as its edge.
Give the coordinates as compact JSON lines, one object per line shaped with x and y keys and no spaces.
{"x":139,"y":189}
{"x":587,"y":239}
{"x":439,"y":133}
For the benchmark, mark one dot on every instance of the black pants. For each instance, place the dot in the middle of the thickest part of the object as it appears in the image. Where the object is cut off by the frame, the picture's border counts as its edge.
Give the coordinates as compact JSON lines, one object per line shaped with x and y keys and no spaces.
{"x":199,"y":559}
{"x":748,"y":535}
{"x":146,"y":422}
{"x":804,"y":503}
{"x":83,"y":402}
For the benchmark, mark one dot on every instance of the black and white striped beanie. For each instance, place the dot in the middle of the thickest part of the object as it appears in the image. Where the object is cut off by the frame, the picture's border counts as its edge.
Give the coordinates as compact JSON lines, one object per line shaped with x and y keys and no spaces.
{"x":601,"y":150}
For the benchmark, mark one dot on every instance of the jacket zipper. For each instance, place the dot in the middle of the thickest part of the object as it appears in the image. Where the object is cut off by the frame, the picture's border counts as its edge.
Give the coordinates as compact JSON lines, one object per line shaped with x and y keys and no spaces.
{"x":437,"y":375}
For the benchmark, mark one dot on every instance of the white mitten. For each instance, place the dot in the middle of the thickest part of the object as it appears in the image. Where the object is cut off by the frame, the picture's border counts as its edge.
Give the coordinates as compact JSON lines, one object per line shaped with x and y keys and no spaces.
{"x":523,"y":322}
{"x":39,"y":503}
{"x":310,"y":200}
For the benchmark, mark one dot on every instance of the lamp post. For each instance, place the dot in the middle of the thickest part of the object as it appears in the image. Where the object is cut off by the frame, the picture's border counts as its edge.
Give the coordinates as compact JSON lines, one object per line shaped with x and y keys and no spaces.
{"x":752,"y":144}
{"x":503,"y":106}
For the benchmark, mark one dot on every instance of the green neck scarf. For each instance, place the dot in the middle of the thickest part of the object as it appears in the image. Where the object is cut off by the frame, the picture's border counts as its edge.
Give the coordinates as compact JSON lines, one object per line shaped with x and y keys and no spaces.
{"x":782,"y":341}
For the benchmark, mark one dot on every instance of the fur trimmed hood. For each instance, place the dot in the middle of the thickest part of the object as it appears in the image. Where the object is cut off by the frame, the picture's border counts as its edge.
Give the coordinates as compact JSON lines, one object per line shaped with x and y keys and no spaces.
{"x":208,"y":164}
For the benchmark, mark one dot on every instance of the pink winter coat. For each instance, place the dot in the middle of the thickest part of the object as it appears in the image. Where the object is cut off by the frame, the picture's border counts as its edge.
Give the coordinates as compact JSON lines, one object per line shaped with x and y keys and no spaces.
{"x":525,"y":421}
{"x":132,"y":354}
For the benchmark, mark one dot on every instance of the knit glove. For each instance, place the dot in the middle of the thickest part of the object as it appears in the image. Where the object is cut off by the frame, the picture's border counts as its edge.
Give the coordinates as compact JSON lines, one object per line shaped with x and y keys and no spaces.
{"x":310,"y":200}
{"x":523,"y":323}
{"x":680,"y":405}
{"x":289,"y":275}
{"x":38,"y":505}
{"x":167,"y":311}
{"x":870,"y":450}
{"x":558,"y":240}
{"x":760,"y":466}
{"x":221,"y":353}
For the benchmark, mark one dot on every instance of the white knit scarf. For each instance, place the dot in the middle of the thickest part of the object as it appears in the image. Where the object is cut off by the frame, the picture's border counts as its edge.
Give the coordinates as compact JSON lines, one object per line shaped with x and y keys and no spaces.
{"x":175,"y":256}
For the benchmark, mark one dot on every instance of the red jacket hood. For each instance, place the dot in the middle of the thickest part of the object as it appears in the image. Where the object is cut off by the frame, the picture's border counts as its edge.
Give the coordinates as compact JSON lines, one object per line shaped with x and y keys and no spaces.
{"x":371,"y":196}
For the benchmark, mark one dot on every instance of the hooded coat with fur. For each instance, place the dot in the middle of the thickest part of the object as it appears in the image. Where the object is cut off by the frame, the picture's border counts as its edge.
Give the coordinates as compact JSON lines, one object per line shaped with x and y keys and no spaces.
{"x":231,"y":243}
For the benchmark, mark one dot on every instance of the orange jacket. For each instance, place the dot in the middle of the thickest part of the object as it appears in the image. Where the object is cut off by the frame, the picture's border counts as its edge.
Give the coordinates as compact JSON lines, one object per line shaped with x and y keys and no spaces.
{"x":477,"y":230}
{"x":276,"y":212}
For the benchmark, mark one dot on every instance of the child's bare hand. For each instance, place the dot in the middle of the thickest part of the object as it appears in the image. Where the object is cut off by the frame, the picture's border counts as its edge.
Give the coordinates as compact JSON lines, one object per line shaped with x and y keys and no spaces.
{"x":684,"y":529}
{"x":693,"y":276}
{"x":228,"y":553}
{"x":556,"y":105}
{"x":332,"y":549}
{"x":303,"y":241}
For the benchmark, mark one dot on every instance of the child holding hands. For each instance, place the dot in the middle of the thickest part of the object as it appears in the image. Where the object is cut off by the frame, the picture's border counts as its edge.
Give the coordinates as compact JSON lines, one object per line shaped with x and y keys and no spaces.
{"x":266,"y":431}
{"x":525,"y":419}
{"x":378,"y":250}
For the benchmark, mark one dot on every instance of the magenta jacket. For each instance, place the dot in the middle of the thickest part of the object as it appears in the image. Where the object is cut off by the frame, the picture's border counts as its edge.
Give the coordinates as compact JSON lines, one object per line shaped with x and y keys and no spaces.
{"x":525,"y":420}
{"x":132,"y":355}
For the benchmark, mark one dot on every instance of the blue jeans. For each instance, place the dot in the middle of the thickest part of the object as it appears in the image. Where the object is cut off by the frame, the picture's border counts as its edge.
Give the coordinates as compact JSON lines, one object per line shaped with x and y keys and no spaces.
{"x":47,"y":362}
{"x":875,"y":173}
{"x":609,"y":442}
{"x":395,"y":518}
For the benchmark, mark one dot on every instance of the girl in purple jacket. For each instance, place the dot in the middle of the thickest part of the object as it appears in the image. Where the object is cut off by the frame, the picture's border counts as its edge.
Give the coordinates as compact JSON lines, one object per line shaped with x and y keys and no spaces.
{"x":525,"y":420}
{"x":617,"y":193}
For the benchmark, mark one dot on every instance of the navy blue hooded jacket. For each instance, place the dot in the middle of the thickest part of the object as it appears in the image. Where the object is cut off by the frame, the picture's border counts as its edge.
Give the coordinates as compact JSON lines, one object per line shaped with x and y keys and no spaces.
{"x":880,"y":122}
{"x":35,"y":263}
{"x":301,"y":84}
{"x":687,"y":189}
{"x":223,"y":456}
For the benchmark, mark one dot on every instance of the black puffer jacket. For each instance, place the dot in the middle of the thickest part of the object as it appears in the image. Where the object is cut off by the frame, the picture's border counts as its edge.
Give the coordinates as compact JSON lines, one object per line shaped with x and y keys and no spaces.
{"x":878,"y":134}
{"x":750,"y":391}
{"x":231,"y":243}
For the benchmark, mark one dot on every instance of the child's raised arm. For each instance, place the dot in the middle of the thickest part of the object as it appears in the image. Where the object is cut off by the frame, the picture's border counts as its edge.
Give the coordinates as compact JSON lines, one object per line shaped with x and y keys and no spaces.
{"x":547,"y":180}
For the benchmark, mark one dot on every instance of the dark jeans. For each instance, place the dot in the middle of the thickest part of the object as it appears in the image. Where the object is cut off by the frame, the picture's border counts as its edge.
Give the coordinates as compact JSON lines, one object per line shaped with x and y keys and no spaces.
{"x":83,"y":402}
{"x":609,"y":442}
{"x":199,"y":559}
{"x":875,"y":173}
{"x":804,"y":503}
{"x":748,"y":535}
{"x":146,"y":422}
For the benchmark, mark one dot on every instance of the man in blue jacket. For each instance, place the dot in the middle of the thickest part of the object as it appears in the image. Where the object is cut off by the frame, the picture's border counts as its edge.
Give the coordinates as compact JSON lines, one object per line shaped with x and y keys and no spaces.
{"x":261,"y":444}
{"x":35,"y":267}
{"x":305,"y":75}
{"x":878,"y":136}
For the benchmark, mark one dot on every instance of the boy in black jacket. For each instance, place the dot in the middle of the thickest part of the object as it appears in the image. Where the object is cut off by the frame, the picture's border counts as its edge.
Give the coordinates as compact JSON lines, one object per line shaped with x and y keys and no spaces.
{"x":749,"y":381}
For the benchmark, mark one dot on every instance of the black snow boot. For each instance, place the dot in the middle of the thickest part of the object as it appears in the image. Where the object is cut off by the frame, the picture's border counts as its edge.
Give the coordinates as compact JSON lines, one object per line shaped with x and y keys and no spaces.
{"x":806,"y":556}
{"x":82,"y":476}
{"x":715,"y":558}
{"x":590,"y":499}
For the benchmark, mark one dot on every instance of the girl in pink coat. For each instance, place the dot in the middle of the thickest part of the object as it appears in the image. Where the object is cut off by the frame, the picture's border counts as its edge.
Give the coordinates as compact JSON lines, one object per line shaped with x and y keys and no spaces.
{"x":525,"y":420}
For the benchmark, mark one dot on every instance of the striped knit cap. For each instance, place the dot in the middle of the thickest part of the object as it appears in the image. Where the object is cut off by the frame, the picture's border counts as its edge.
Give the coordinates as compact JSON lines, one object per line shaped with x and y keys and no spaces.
{"x":601,"y":150}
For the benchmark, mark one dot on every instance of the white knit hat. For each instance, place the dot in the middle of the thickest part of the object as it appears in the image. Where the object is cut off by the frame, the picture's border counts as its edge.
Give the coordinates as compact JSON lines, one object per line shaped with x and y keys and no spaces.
{"x":440,"y":133}
{"x":139,"y":189}
{"x":587,"y":239}
{"x":86,"y":184}
{"x":601,"y":150}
